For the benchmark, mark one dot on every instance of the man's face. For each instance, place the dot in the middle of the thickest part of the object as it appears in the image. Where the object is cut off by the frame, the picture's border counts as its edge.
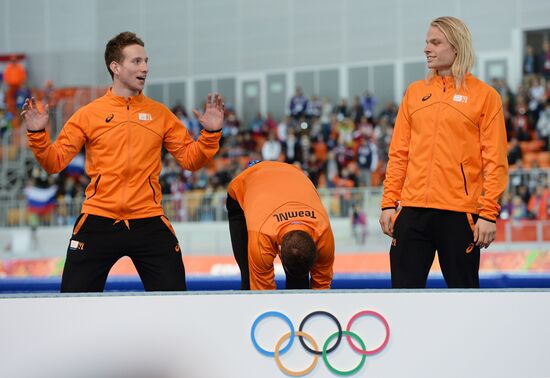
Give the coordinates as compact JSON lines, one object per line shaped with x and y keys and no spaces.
{"x":132,"y":71}
{"x":439,"y":52}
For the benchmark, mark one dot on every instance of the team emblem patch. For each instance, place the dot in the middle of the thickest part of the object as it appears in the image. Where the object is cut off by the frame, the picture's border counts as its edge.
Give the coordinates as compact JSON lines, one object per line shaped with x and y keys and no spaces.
{"x":76,"y":245}
{"x":460,"y":98}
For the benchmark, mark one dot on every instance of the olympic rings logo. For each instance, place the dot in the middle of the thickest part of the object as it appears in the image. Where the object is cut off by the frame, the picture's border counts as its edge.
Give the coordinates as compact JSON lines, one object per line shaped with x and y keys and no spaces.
{"x":278,"y":351}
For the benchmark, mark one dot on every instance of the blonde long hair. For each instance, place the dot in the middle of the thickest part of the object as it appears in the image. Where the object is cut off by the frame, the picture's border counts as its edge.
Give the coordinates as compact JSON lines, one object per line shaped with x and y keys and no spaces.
{"x":460,"y":38}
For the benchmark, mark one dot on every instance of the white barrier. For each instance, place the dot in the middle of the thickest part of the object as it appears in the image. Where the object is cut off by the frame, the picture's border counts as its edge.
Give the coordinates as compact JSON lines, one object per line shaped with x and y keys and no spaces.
{"x":205,"y":238}
{"x":431,"y":334}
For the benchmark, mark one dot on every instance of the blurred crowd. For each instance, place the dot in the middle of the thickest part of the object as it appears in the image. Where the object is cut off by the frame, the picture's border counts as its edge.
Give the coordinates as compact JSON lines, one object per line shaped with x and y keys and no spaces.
{"x":341,"y":144}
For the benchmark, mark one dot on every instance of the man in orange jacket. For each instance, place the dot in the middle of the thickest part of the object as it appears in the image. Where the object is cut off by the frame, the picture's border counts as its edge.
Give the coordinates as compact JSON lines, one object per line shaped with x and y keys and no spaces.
{"x":447,"y":166}
{"x":274,"y":210}
{"x":124,"y":133}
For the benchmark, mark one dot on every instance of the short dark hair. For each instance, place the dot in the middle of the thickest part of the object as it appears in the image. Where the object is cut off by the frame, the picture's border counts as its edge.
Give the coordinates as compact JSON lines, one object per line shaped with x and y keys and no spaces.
{"x":113,"y":49}
{"x":298,"y":253}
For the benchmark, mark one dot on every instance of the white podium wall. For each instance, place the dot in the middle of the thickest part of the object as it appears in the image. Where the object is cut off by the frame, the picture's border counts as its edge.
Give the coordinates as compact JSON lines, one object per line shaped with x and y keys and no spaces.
{"x":432,"y":334}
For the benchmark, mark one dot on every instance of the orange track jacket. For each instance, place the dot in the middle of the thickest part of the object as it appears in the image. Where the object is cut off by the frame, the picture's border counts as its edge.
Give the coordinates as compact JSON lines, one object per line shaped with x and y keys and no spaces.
{"x":123,"y":141}
{"x":448,"y":149}
{"x":276,"y":198}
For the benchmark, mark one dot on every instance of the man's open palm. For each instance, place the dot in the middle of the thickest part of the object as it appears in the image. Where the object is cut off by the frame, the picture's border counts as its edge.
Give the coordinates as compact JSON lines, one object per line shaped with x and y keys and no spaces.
{"x":33,"y":118}
{"x":212,"y":119}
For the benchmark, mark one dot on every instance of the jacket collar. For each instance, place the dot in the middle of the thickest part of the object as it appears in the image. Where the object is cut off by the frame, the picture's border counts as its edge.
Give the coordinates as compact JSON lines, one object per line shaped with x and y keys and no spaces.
{"x":448,"y":81}
{"x":121,"y":100}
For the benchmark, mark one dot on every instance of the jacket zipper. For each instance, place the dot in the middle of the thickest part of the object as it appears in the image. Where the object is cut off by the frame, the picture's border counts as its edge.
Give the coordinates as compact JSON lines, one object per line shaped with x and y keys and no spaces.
{"x":441,"y":98}
{"x":153,"y":189}
{"x":95,"y":187}
{"x":464,"y":178}
{"x":122,"y":209}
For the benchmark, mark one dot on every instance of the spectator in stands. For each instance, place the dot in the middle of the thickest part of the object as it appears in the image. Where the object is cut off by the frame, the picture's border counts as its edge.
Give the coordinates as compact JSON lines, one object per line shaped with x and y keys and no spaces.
{"x":283,"y":128}
{"x":368,"y":102}
{"x":298,"y":104}
{"x":522,"y":123}
{"x":270,"y":124}
{"x":256,"y":126}
{"x":356,"y":110}
{"x":124,"y":132}
{"x":15,"y":75}
{"x":523,"y":190}
{"x":314,"y":107}
{"x":531,"y":63}
{"x":232,"y":123}
{"x":49,"y":94}
{"x":447,"y":183}
{"x":383,"y":133}
{"x":367,"y":159}
{"x":537,"y":207}
{"x":519,"y":209}
{"x":359,"y":225}
{"x":179,"y":111}
{"x":546,"y":60}
{"x":536,"y":98}
{"x":342,"y":109}
{"x":2,"y":94}
{"x":390,"y":112}
{"x":22,"y":93}
{"x":271,"y":149}
{"x":325,"y":119}
{"x":506,"y":206}
{"x":291,"y":147}
{"x":543,"y":125}
{"x":3,"y":123}
{"x":514,"y":152}
{"x":274,"y":210}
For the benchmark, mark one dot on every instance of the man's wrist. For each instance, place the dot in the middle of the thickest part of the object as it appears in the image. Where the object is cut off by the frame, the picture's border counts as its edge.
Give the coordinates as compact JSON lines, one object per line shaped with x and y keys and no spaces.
{"x":488,"y":220}
{"x":213,"y":131}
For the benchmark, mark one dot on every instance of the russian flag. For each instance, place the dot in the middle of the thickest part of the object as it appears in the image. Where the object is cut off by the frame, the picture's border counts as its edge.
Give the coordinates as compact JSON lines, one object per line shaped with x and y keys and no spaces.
{"x":40,"y":200}
{"x":76,"y":166}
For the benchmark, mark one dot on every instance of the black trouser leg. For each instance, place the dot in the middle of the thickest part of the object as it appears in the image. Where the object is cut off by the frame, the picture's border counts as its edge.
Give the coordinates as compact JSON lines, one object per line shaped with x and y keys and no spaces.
{"x":412,"y":252}
{"x":91,"y":254}
{"x":239,"y":239}
{"x":156,"y":255}
{"x":459,"y":264}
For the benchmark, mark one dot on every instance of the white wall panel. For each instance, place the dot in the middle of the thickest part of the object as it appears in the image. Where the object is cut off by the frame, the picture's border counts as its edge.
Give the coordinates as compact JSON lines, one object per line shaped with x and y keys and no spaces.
{"x":317,"y":27}
{"x":186,"y":39}
{"x":264,"y":34}
{"x":534,"y":13}
{"x":371,"y":30}
{"x":491,"y":29}
{"x":415,"y":18}
{"x":215,"y":38}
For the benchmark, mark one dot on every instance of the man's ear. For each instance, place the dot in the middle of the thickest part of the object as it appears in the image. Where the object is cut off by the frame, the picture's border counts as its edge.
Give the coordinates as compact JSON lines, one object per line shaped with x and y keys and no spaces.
{"x":114,"y":66}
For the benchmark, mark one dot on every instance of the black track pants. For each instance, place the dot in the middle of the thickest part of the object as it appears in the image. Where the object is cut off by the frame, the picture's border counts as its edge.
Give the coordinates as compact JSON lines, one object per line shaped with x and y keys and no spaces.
{"x":239,"y":238}
{"x":419,"y":233}
{"x":98,"y":242}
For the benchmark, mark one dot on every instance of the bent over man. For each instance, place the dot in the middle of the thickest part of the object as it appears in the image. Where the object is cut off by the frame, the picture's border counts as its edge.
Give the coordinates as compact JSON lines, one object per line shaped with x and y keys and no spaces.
{"x":274,"y":210}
